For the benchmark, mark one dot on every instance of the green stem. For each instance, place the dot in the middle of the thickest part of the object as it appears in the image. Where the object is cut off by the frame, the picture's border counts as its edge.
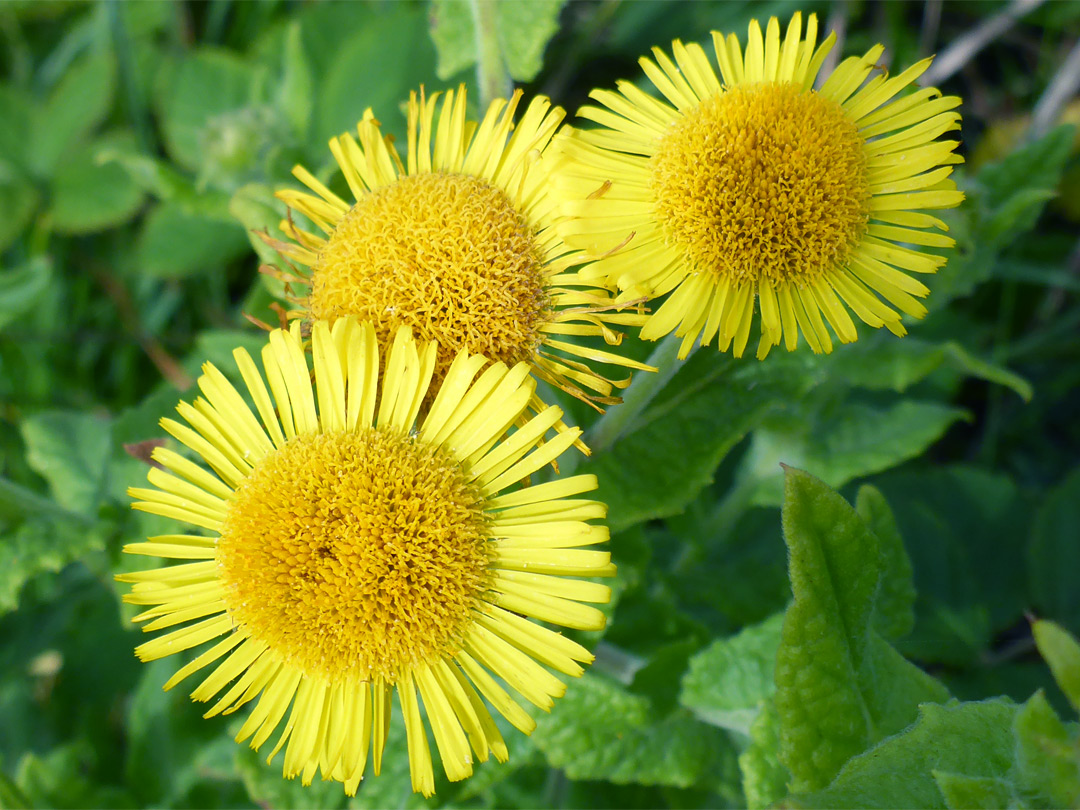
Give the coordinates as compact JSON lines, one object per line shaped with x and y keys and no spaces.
{"x":491,"y":76}
{"x":617,"y":420}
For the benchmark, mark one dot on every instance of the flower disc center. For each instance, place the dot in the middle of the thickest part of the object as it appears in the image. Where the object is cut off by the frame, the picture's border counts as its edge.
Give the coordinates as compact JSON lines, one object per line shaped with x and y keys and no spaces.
{"x":447,"y":254}
{"x":763,"y":181}
{"x":354,"y":554}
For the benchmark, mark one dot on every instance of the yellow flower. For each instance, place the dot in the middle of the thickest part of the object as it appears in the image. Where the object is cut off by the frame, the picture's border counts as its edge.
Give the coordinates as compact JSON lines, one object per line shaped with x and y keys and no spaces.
{"x":760,"y":187}
{"x":458,"y":243}
{"x":353,"y":552}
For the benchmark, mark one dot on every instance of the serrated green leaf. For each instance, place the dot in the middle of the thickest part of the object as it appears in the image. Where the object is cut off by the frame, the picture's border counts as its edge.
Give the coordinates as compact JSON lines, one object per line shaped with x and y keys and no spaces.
{"x":843,"y":443}
{"x":1062,"y":653}
{"x":89,"y":195}
{"x":21,"y":287}
{"x":963,"y":792}
{"x":764,"y":777}
{"x":1047,"y":756}
{"x":894,"y":616}
{"x":728,"y":682}
{"x":599,"y":730}
{"x":454,"y":34}
{"x":70,"y":450}
{"x":522,"y":31}
{"x":1054,"y":554}
{"x":668,"y":456}
{"x":174,"y":243}
{"x":76,"y":106}
{"x":969,"y":739}
{"x":207,"y":83}
{"x":840,"y":686}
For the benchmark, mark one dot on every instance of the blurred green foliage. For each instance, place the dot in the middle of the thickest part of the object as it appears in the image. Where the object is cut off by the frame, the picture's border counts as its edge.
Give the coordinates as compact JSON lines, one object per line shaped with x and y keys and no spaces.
{"x":889,"y":663}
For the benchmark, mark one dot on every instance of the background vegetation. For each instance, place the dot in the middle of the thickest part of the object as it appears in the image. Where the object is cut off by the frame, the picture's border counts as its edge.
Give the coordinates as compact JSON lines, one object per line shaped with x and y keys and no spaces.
{"x":138,"y":143}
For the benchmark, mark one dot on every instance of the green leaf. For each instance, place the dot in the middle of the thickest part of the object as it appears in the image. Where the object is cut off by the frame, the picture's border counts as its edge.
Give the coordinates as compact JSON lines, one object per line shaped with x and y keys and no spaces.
{"x":393,"y":786}
{"x":1062,"y":652}
{"x":256,"y":208}
{"x":44,"y":542}
{"x":89,"y":195}
{"x":296,"y":97}
{"x":11,"y":798}
{"x":70,"y":450}
{"x":207,"y":83}
{"x":16,"y":120}
{"x":840,"y":686}
{"x":894,"y":616}
{"x":968,"y":739}
{"x":365,"y":73}
{"x":844,"y":442}
{"x":169,"y":742}
{"x":158,"y":177}
{"x":76,"y":106}
{"x":961,"y":526}
{"x":1047,"y":756}
{"x":670,"y":453}
{"x":881,"y":363}
{"x":966,"y":363}
{"x":599,"y":730}
{"x":728,"y":682}
{"x":1033,"y":164}
{"x":174,"y":243}
{"x":18,"y":200}
{"x":216,"y":346}
{"x":454,"y":33}
{"x":22,"y":287}
{"x":1054,"y":554}
{"x":1019,"y":184}
{"x":1017,"y":214}
{"x":39,"y":536}
{"x":60,"y":779}
{"x":524,"y":31}
{"x":521,"y":29}
{"x":268,"y":788}
{"x":764,"y":777}
{"x":963,"y":792}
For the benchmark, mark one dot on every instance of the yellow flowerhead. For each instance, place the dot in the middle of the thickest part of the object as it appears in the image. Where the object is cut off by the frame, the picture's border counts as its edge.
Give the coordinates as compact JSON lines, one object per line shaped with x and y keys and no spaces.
{"x":758,"y":187}
{"x":353,"y":553}
{"x":457,"y":243}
